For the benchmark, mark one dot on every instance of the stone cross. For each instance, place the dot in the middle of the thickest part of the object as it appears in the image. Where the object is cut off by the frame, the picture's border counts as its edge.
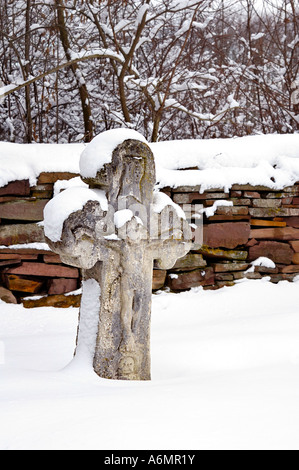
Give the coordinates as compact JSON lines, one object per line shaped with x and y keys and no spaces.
{"x":115,"y":249}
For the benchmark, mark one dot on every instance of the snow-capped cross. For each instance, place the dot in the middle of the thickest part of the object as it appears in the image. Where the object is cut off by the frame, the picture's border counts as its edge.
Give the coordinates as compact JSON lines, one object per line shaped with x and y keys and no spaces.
{"x":116,"y":246}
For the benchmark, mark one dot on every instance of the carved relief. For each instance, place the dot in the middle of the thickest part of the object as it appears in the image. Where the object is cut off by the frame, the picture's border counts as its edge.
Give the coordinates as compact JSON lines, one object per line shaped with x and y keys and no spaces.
{"x":126,"y":368}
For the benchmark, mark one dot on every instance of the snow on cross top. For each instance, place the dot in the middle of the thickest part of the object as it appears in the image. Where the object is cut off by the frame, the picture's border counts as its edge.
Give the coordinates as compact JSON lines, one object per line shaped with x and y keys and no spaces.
{"x":99,"y":151}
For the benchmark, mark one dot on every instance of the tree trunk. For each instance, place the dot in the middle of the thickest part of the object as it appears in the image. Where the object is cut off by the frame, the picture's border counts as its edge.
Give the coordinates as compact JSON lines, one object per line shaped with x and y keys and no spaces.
{"x":84,"y":96}
{"x":27,"y":73}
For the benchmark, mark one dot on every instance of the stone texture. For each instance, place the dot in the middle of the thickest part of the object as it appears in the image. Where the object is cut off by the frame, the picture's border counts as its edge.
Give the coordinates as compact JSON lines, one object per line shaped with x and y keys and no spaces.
{"x":293,"y":222}
{"x":7,"y":296}
{"x":184,"y":281}
{"x":232,"y":211}
{"x":287,"y":233}
{"x":9,"y":262}
{"x":19,"y":256}
{"x":16,"y":188}
{"x":280,"y":195}
{"x":295,"y":259}
{"x":5,"y":256}
{"x":267,"y":223}
{"x":249,"y":187}
{"x":251,"y":242}
{"x":57,"y":301}
{"x":20,"y":234}
{"x":239,"y":255}
{"x":31,"y":210}
{"x":241,"y":201}
{"x":221,"y":284}
{"x":236,"y":194}
{"x":287,"y":200}
{"x":290,"y":269}
{"x":195,"y":189}
{"x":44,"y":270}
{"x":46,"y":178}
{"x":189,"y":198}
{"x":295,"y":245}
{"x":25,"y":253}
{"x":229,"y":218}
{"x":190,"y":261}
{"x":19,"y":284}
{"x":52,"y":259}
{"x":159,"y":278}
{"x":62,"y":286}
{"x":265,"y":270}
{"x":226,"y":235}
{"x":272,"y":212}
{"x":224,"y":277}
{"x":280,"y":253}
{"x":229,"y":267}
{"x":42,"y":191}
{"x":269,"y":203}
{"x":252,"y":194}
{"x":254,"y":275}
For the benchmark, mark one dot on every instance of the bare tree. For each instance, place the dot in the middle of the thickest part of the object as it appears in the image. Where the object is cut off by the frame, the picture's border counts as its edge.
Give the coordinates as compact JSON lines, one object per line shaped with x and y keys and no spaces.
{"x":83,"y":92}
{"x":170,"y":69}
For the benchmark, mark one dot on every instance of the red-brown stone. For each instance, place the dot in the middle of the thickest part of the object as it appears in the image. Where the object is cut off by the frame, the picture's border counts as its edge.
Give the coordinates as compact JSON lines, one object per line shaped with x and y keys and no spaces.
{"x":9,"y":262}
{"x":46,"y":178}
{"x":252,"y":194}
{"x":293,"y":222}
{"x":62,"y":286}
{"x":31,"y":210}
{"x":280,"y":253}
{"x":283,"y":233}
{"x":295,"y":245}
{"x":20,"y":234}
{"x":6,"y":256}
{"x":52,"y":259}
{"x":44,"y":270}
{"x":226,"y":235}
{"x":290,"y":269}
{"x":295,"y":258}
{"x":184,"y":281}
{"x":251,"y":242}
{"x":159,"y":278}
{"x":7,"y":296}
{"x":16,"y":188}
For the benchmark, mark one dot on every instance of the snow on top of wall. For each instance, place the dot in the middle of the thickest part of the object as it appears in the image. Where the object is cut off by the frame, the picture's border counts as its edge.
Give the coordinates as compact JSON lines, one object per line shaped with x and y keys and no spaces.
{"x":267,"y":160}
{"x":28,"y":161}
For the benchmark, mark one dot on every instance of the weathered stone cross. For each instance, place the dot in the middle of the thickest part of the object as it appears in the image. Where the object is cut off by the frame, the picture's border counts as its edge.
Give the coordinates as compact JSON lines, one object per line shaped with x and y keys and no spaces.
{"x":116,"y":249}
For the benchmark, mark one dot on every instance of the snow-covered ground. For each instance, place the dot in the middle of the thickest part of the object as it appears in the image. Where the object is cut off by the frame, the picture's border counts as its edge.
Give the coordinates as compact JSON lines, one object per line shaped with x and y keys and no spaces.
{"x":225,"y":375}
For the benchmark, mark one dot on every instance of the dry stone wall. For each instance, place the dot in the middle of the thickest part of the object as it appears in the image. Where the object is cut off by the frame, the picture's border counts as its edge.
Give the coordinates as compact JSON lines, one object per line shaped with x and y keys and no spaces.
{"x":30,"y":270}
{"x":261,"y":222}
